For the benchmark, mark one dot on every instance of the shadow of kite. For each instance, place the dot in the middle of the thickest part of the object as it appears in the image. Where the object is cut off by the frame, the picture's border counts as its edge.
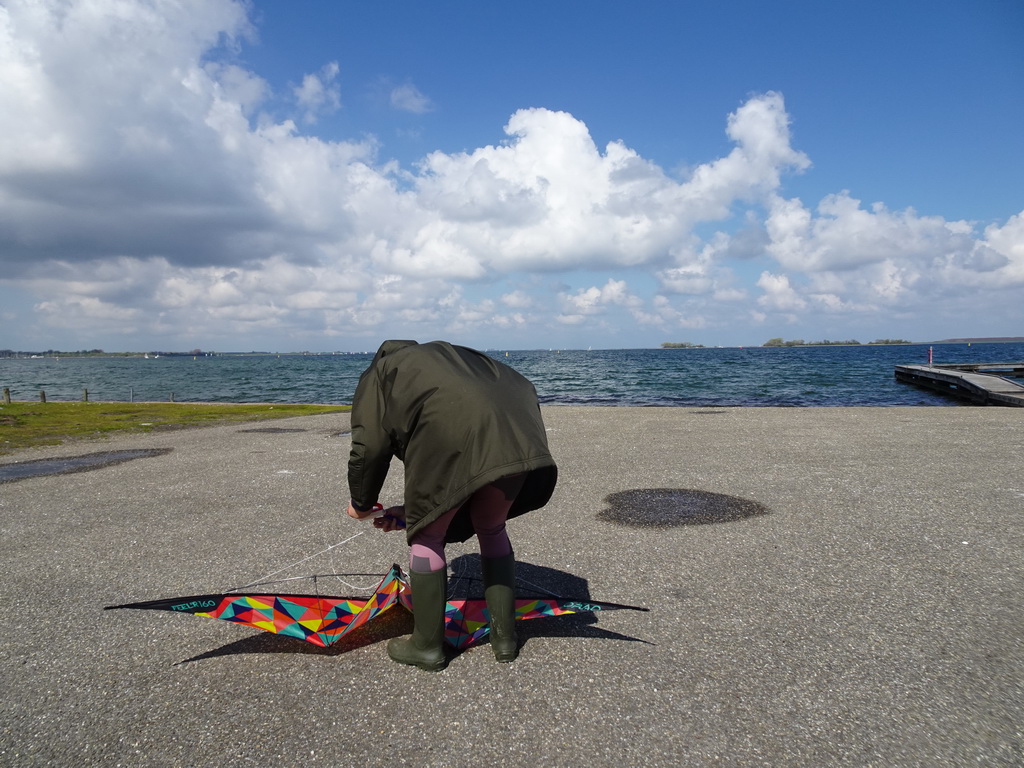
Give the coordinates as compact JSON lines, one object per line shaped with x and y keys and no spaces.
{"x":394,"y":623}
{"x":464,"y":582}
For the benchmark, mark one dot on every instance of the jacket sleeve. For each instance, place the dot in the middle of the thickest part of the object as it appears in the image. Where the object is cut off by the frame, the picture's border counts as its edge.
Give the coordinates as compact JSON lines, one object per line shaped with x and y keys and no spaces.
{"x":371,"y":452}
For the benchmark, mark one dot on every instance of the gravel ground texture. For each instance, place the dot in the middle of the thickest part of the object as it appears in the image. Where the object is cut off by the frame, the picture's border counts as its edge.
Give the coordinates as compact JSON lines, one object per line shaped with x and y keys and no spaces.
{"x":827,"y":586}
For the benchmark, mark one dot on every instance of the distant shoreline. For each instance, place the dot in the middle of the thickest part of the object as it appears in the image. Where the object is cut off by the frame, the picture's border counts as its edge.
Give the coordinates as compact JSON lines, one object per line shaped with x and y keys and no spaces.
{"x":18,"y":354}
{"x":982,"y":340}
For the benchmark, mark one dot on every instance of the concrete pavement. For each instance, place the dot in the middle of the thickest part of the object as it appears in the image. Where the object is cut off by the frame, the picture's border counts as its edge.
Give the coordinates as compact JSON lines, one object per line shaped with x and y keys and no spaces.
{"x":863,"y":608}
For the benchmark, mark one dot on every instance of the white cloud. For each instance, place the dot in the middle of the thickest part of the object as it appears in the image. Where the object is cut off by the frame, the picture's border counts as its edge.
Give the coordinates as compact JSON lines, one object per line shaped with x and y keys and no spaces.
{"x":689,"y":279}
{"x":753,"y":170}
{"x":778,"y":293}
{"x":549,"y":199}
{"x":319,"y":93}
{"x":408,"y":98}
{"x":846,"y":236}
{"x":517,"y":299}
{"x":155,"y":178}
{"x":85,"y":308}
{"x":591,"y":302}
{"x":862,"y":261}
{"x":1000,"y":254}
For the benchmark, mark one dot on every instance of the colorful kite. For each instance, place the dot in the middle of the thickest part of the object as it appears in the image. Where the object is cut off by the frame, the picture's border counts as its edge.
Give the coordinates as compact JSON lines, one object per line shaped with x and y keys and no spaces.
{"x":324,"y":620}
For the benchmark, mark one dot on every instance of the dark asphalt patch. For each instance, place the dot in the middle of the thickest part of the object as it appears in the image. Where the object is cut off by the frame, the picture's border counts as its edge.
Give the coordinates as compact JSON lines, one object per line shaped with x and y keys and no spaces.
{"x":68,"y":464}
{"x":666,"y":507}
{"x":271,"y":430}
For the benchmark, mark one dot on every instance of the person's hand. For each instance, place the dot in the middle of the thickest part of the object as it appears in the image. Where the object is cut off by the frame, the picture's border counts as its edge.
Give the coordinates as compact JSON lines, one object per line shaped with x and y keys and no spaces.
{"x":393,"y":519}
{"x":355,"y":514}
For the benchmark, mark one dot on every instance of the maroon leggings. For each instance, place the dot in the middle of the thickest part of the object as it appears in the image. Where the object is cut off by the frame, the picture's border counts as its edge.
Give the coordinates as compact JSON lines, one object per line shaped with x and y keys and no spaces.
{"x":488,"y":508}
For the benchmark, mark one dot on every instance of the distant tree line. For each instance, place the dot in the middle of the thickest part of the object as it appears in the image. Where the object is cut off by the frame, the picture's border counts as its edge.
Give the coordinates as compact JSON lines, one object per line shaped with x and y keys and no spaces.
{"x":779,"y":342}
{"x":50,"y":353}
{"x":680,"y":345}
{"x":99,"y":352}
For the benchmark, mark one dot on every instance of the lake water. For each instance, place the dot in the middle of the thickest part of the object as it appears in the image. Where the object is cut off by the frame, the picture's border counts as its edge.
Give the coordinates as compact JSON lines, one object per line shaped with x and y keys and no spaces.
{"x":754,"y":376}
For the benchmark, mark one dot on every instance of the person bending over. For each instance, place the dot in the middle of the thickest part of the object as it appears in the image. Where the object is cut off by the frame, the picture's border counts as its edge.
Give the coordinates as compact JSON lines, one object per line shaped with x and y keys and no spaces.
{"x":470,"y":433}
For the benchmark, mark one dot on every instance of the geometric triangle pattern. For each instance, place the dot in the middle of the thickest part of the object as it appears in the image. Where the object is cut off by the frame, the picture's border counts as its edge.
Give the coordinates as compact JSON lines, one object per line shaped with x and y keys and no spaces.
{"x":319,"y":620}
{"x":324,"y":620}
{"x":467,"y":621}
{"x":316,"y":619}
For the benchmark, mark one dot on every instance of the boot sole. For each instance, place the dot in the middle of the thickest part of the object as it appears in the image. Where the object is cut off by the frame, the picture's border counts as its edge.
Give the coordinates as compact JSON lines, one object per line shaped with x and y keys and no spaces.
{"x":505,"y":655}
{"x":435,"y":665}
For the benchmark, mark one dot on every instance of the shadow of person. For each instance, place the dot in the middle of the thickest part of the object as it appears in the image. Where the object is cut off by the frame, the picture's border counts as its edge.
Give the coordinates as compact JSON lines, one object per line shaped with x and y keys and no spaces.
{"x":542,"y":582}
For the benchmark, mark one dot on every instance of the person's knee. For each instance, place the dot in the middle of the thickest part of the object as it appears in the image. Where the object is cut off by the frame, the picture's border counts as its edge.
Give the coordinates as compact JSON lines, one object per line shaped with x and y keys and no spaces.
{"x":490,"y":528}
{"x":425,"y":557}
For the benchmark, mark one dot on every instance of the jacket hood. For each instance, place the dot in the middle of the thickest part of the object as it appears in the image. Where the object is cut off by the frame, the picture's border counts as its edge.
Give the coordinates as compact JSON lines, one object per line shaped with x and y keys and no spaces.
{"x":391,"y":346}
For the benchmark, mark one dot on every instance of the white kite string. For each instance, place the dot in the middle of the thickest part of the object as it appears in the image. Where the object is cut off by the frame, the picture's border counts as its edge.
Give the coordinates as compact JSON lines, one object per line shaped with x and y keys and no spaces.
{"x":333,"y":566}
{"x":263,"y":579}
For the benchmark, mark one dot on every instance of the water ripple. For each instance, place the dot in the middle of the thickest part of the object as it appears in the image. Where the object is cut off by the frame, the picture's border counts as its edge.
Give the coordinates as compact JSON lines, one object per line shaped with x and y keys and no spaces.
{"x":756,"y":376}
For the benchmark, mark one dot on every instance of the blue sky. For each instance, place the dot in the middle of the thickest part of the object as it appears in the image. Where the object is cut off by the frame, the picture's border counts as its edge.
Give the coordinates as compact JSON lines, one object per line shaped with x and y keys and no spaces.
{"x":323,"y":175}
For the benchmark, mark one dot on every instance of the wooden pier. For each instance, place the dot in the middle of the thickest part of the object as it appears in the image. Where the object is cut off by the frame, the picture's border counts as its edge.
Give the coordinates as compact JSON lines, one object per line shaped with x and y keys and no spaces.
{"x":980,"y":383}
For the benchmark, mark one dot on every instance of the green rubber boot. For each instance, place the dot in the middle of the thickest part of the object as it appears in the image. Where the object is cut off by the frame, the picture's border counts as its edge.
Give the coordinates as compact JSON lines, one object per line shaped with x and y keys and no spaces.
{"x":425,"y":648}
{"x":500,"y":594}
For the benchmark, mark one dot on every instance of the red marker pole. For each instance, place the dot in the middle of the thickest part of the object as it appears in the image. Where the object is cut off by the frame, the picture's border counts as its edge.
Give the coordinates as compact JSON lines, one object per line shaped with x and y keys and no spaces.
{"x":929,"y":357}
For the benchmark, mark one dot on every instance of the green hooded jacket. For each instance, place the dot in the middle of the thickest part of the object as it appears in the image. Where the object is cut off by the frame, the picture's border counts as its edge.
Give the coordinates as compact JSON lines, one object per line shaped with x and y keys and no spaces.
{"x":458,"y":420}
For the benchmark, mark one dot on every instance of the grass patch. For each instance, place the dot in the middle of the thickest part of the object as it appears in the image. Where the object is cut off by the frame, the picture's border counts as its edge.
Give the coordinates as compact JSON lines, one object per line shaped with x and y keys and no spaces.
{"x":25,"y":425}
